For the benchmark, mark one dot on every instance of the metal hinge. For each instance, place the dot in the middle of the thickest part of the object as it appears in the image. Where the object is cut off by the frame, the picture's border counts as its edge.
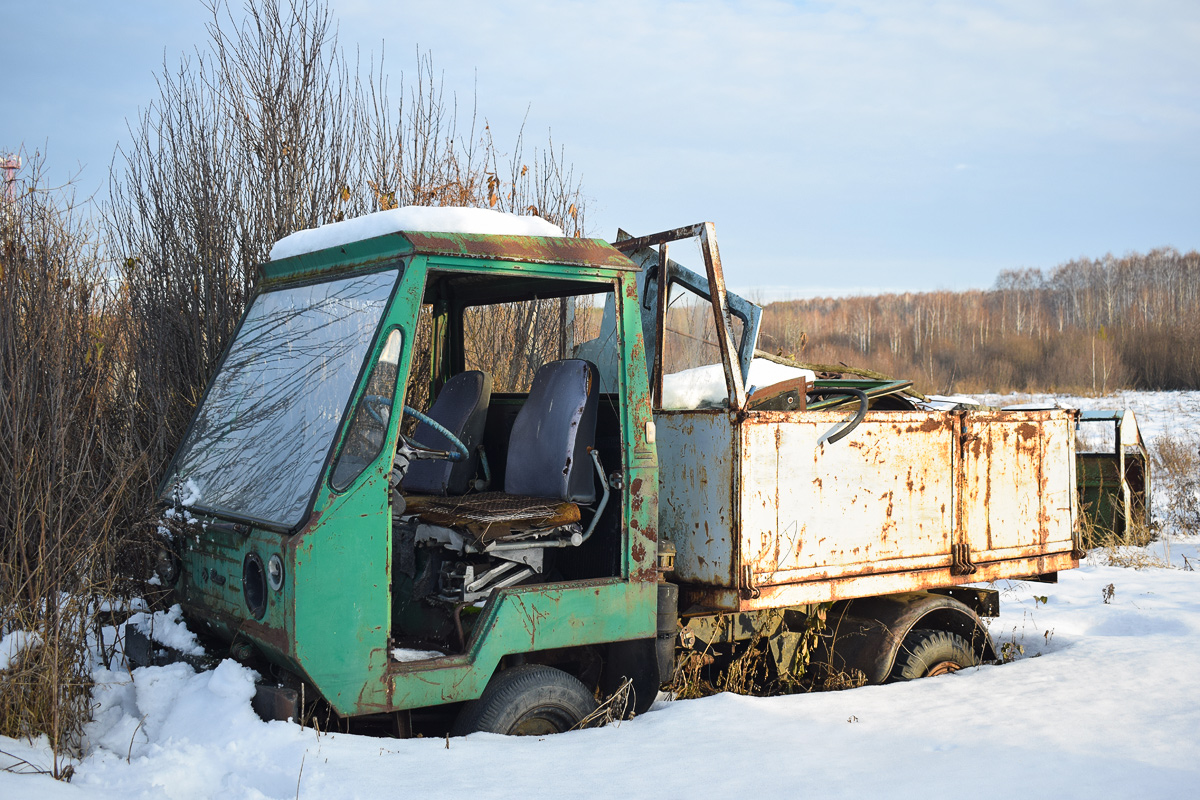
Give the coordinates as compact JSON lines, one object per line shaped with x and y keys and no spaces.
{"x":960,"y":559}
{"x":749,"y":590}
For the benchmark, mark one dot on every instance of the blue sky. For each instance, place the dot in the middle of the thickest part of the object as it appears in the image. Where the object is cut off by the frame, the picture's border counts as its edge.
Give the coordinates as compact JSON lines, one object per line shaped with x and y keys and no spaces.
{"x":839,"y":147}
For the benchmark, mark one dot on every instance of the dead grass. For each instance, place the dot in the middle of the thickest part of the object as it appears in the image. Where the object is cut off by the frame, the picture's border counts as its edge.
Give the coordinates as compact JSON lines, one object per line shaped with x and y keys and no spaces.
{"x":1129,"y":558}
{"x":1176,"y":462}
{"x":614,"y":708}
{"x":1126,"y":549}
{"x":1177,"y":456}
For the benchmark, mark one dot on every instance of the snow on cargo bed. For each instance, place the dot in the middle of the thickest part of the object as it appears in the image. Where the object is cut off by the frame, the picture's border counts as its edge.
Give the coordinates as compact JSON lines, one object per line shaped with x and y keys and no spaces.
{"x":704,"y":387}
{"x":436,"y":219}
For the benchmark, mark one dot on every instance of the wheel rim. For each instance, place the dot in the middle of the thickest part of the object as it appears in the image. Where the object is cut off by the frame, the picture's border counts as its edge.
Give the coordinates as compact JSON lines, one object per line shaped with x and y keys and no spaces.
{"x":543,"y":721}
{"x":943,"y":668}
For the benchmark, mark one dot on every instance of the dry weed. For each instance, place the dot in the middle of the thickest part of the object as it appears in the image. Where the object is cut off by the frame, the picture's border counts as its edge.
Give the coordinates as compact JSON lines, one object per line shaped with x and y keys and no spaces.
{"x":752,"y":668}
{"x":1176,"y":461}
{"x":1125,"y":548}
{"x":1128,"y":557}
{"x":1177,"y":456}
{"x":614,"y":708}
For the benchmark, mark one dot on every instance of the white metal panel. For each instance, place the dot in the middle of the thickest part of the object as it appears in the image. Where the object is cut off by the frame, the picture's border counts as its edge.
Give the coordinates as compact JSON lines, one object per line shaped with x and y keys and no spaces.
{"x":1018,"y":478}
{"x":880,"y":499}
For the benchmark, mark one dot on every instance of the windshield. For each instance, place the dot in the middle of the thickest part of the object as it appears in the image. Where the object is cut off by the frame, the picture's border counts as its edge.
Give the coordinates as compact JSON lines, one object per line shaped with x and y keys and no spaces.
{"x":258,"y":443}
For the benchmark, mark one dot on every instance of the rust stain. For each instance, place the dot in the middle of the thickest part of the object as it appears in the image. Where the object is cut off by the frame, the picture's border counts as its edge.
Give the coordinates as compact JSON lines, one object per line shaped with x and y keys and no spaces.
{"x":930,"y":425}
{"x":645,"y":575}
{"x":529,"y":249}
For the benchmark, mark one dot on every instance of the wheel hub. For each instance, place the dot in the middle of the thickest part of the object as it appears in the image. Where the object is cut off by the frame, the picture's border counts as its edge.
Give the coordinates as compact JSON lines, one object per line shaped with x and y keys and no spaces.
{"x":943,"y":668}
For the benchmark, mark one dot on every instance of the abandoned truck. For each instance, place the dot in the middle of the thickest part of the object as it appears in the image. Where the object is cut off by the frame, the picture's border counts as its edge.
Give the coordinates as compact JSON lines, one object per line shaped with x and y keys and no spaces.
{"x":496,"y":476}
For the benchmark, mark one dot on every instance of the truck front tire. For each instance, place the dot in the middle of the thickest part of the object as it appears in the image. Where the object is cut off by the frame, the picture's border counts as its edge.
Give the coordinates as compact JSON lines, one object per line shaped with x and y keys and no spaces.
{"x":928,"y":653}
{"x":527,"y":700}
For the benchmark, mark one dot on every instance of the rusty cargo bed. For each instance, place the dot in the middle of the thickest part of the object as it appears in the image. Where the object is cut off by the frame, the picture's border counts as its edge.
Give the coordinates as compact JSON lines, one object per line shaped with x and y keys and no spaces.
{"x":763,"y":516}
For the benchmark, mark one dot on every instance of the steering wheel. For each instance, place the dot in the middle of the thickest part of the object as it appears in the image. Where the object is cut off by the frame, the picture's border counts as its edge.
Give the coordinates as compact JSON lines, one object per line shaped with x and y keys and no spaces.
{"x":376,"y":405}
{"x":379,"y":407}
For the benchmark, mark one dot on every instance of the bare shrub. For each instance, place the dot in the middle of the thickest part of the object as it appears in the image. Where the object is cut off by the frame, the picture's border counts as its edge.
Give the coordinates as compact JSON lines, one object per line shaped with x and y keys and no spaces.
{"x":246,"y":143}
{"x":420,"y":156}
{"x":107,"y":338}
{"x":1176,"y":456}
{"x":267,"y":132}
{"x":66,"y":464}
{"x":1176,"y":462}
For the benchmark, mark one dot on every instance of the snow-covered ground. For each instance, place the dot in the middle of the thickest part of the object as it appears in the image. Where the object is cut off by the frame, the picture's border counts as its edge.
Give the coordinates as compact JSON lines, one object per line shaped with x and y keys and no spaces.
{"x":1103,"y":702}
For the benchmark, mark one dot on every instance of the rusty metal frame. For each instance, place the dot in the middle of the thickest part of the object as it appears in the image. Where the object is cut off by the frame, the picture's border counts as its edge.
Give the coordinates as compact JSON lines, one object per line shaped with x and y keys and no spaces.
{"x":731,"y":360}
{"x":716,"y":293}
{"x":660,"y":326}
{"x":960,"y":547}
{"x":636,"y":243}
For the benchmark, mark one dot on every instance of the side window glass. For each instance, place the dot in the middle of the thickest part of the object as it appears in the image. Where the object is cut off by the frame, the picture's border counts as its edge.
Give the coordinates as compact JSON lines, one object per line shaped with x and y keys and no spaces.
{"x":368,"y":430}
{"x":693,"y":376}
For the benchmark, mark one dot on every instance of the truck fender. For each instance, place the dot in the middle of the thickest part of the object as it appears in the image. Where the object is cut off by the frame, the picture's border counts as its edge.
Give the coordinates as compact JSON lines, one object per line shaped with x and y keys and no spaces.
{"x":648,"y":663}
{"x":637,"y":660}
{"x":865,"y":635}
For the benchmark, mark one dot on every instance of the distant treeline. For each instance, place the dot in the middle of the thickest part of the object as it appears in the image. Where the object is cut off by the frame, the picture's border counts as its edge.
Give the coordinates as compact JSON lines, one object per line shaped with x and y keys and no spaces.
{"x":1086,"y":325}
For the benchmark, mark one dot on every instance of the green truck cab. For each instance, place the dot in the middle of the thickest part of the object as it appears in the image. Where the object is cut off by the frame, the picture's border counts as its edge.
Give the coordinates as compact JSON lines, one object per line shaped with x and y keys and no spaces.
{"x":304,"y":553}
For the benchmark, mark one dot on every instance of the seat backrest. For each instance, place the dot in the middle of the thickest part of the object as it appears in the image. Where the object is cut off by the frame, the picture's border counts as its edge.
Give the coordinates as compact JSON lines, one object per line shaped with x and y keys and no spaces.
{"x":461,"y":407}
{"x":548,"y":446}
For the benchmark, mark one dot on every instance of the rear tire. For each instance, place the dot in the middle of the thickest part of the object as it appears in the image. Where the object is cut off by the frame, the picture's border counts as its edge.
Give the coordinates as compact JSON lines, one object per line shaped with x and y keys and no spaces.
{"x":528,"y":700}
{"x":928,"y":653}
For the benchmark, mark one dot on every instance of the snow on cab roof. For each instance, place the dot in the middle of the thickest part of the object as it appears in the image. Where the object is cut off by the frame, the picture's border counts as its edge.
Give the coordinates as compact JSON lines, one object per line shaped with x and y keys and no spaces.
{"x":439,"y":219}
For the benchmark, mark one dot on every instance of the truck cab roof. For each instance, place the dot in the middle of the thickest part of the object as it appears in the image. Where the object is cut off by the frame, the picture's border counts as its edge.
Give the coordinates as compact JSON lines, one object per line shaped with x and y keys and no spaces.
{"x":449,"y":232}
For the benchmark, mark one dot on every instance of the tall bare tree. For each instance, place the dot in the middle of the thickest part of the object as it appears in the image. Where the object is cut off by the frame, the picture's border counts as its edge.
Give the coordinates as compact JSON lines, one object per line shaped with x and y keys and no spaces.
{"x":270,"y":131}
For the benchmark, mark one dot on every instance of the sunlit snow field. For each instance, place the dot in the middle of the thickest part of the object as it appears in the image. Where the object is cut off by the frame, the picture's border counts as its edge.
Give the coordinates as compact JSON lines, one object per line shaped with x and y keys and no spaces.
{"x":1104,"y":702}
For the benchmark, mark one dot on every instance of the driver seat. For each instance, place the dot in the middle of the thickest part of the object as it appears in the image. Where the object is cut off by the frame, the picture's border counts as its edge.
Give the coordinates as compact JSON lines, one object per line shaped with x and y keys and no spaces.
{"x":549,"y":470}
{"x":461,"y":407}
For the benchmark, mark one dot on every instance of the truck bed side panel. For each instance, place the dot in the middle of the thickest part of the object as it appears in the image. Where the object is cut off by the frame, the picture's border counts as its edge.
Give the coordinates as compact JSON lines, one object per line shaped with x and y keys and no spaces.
{"x":763,"y":516}
{"x":1018,"y":481}
{"x":880,"y":500}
